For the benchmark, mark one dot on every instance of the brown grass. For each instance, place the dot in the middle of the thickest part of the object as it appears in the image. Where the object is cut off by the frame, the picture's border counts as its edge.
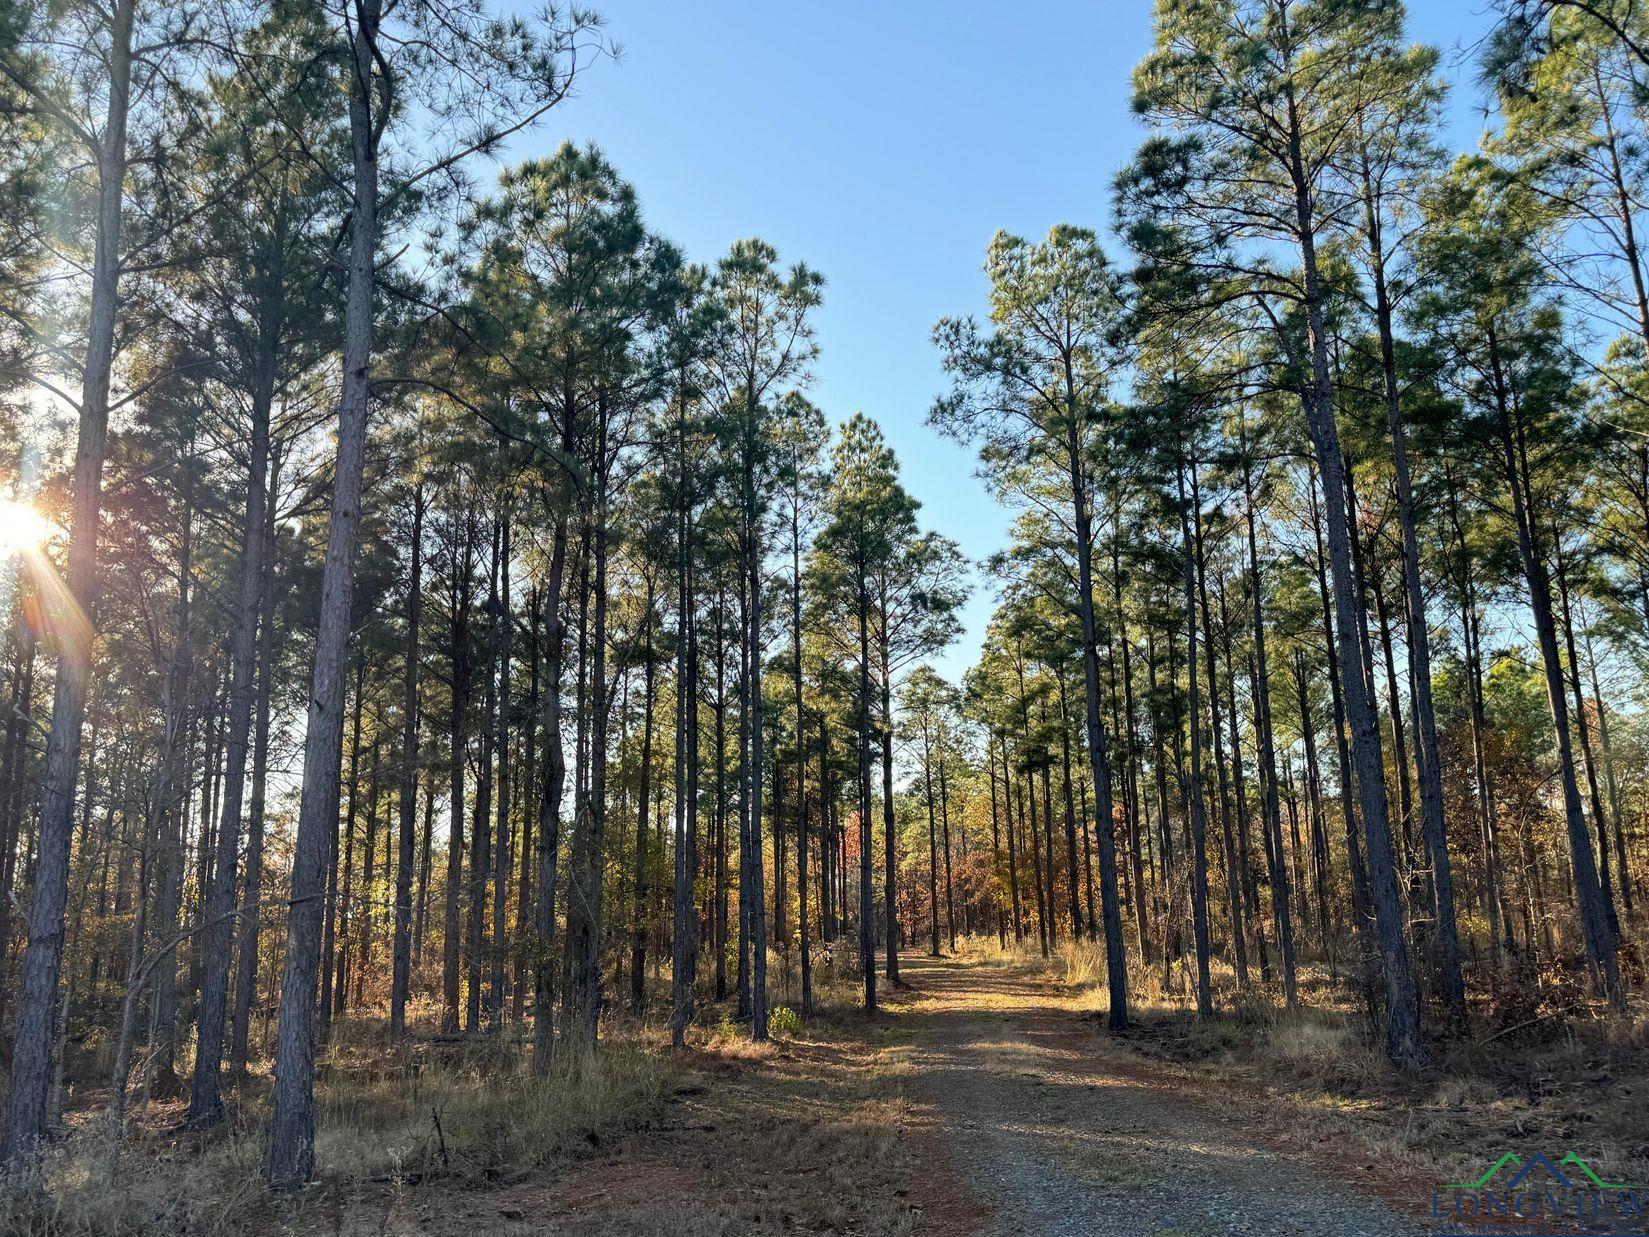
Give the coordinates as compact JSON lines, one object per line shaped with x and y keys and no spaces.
{"x":383,"y":1165}
{"x":1574,"y":1082}
{"x":376,"y":1122}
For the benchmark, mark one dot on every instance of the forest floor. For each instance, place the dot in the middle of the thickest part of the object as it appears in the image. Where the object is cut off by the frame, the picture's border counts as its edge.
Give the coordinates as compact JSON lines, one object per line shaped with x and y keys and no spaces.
{"x":807,"y":1134}
{"x":982,"y":1099}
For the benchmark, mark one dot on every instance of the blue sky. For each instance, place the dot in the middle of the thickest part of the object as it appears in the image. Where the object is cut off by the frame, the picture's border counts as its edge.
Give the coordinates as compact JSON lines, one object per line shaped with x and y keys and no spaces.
{"x":883,"y":144}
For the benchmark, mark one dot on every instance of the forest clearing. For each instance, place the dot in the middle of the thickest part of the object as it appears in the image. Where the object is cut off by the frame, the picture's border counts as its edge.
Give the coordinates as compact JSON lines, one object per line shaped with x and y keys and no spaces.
{"x":526,"y":708}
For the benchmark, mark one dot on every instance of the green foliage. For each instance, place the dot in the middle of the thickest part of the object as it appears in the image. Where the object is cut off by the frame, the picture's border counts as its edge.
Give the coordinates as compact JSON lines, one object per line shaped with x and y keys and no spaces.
{"x":783,"y":1022}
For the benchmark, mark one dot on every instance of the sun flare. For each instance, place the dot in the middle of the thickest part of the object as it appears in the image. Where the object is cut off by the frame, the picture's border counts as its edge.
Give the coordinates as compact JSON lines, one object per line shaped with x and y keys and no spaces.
{"x":22,"y":528}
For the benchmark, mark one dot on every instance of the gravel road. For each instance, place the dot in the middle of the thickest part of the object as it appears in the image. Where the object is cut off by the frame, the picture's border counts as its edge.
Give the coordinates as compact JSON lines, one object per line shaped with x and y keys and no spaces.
{"x":1054,"y":1130}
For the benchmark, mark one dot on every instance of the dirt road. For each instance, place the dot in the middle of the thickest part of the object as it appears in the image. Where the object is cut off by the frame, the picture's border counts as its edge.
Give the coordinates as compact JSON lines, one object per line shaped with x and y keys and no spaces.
{"x":1056,"y":1130}
{"x":978,"y":1102}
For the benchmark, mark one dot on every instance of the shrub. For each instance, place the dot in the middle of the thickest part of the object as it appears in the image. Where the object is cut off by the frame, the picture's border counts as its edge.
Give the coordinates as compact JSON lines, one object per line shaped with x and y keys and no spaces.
{"x":783,"y":1022}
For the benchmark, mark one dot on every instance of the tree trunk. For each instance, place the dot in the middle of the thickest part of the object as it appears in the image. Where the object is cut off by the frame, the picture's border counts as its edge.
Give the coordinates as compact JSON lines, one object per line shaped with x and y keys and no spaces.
{"x":1044,"y":922}
{"x":137,"y":971}
{"x":867,"y":922}
{"x":684,"y":936}
{"x":1319,"y":831}
{"x":890,"y":848}
{"x":216,"y":945}
{"x":801,"y":754}
{"x":581,"y":984}
{"x":1250,"y":890}
{"x":638,"y":927}
{"x":1233,"y":881}
{"x":944,"y":826}
{"x":337,"y":941}
{"x":753,"y":765}
{"x":1594,"y":922}
{"x":459,"y":650}
{"x":1072,"y":872}
{"x":1362,"y":914}
{"x":552,"y":785}
{"x":1048,"y":844}
{"x":1271,"y":809}
{"x":1194,"y":792}
{"x":33,"y":1039}
{"x":401,"y":964}
{"x":719,"y":915}
{"x":829,"y":861}
{"x":933,"y":846}
{"x":1609,"y":775}
{"x":1493,"y":875}
{"x":1583,"y":731}
{"x":1116,"y":962}
{"x":746,"y":882}
{"x":20,"y":715}
{"x":426,"y":843}
{"x":501,"y":844}
{"x":291,"y":1159}
{"x":1009,"y":794}
{"x":246,"y":979}
{"x":1427,"y":760}
{"x":1130,"y":749}
{"x":170,"y":804}
{"x":475,"y":919}
{"x":1402,"y":1013}
{"x":996,"y":837}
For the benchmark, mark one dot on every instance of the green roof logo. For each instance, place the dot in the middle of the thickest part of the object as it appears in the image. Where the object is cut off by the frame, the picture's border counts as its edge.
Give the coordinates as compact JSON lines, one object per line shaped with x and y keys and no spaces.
{"x":1571,"y":1171}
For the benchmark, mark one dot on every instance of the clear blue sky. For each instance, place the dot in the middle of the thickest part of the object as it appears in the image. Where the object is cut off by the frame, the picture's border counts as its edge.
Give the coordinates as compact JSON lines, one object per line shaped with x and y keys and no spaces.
{"x":883,"y":144}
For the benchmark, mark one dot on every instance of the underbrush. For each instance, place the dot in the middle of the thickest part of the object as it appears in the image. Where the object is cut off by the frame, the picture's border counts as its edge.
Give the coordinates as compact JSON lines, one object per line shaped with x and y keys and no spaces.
{"x":389,"y":1116}
{"x":433,"y":1112}
{"x":1543,"y":1065}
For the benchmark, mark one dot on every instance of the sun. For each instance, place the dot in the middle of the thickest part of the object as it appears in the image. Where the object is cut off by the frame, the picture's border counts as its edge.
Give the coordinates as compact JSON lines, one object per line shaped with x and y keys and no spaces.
{"x":22,"y":528}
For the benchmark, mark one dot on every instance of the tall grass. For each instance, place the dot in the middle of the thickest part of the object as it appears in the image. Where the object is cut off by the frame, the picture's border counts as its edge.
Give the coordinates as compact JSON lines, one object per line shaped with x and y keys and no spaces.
{"x":439,"y":1113}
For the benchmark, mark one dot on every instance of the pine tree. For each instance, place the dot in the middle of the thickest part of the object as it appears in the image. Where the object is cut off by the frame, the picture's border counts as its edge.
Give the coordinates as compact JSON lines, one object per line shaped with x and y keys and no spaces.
{"x":1038,"y":384}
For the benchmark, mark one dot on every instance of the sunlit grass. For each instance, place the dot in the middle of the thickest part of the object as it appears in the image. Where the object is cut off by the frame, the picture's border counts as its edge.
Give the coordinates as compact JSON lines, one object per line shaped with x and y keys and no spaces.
{"x":384,"y":1114}
{"x":1318,"y":1075}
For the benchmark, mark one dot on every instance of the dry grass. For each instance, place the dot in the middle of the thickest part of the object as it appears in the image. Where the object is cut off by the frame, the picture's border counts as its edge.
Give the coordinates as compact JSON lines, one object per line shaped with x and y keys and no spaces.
{"x":808,"y":1131}
{"x":377,"y":1115}
{"x":1570,"y":1083}
{"x":402,"y":1127}
{"x":805,"y":1133}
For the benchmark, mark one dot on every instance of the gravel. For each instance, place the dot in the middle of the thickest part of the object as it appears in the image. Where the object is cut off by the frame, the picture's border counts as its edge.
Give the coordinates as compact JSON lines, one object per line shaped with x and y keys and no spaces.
{"x":1059,"y":1131}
